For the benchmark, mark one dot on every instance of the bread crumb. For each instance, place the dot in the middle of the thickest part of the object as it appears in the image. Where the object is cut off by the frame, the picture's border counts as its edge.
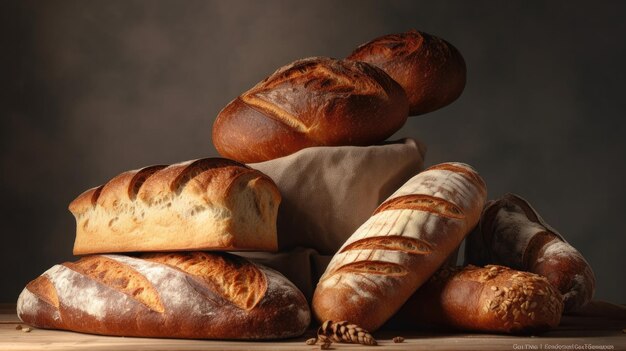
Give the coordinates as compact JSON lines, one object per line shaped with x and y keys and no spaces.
{"x":18,"y":327}
{"x":398,"y":339}
{"x":26,"y":330}
{"x":311,"y":341}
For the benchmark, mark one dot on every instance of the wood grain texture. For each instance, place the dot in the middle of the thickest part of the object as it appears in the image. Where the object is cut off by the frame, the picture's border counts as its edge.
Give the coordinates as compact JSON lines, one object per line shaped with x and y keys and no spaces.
{"x":583,"y":329}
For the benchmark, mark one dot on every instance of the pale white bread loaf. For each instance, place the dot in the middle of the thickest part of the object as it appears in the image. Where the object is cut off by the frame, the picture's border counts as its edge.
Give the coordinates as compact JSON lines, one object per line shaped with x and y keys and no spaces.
{"x":397,"y":249}
{"x":205,"y":204}
{"x":512,"y":233}
{"x":178,"y":295}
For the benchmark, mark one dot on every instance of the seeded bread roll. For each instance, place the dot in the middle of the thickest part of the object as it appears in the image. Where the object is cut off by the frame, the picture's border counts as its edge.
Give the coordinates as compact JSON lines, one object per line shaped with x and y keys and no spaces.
{"x":493,"y":299}
{"x":316,"y":101}
{"x":176,"y":295}
{"x":512,"y":233}
{"x":396,"y":250}
{"x":431,"y":70}
{"x":205,"y":204}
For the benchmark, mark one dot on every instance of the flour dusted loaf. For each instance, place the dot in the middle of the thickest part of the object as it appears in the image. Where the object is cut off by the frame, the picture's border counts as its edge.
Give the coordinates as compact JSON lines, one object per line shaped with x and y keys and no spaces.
{"x":396,"y":250}
{"x":431,"y":70}
{"x":205,"y":204}
{"x":492,"y":299}
{"x":512,"y":233}
{"x":177,"y":295}
{"x":316,"y":101}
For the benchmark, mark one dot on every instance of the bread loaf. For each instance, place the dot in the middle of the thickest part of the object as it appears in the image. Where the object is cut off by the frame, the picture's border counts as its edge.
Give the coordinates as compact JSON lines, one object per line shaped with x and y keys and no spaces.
{"x":176,"y":295}
{"x":431,"y":70}
{"x":397,"y":249}
{"x":493,"y":299}
{"x":512,"y":233}
{"x":315,"y":101}
{"x":206,"y":204}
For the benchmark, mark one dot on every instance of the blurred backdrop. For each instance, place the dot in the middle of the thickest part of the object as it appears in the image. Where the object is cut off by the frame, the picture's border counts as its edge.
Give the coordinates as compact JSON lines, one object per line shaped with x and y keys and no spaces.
{"x":94,"y":88}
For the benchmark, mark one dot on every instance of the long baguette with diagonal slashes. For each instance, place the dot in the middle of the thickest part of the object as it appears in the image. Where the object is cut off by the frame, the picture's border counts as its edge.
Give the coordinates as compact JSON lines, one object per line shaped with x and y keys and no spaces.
{"x":396,"y":250}
{"x":205,"y":204}
{"x":175,"y":295}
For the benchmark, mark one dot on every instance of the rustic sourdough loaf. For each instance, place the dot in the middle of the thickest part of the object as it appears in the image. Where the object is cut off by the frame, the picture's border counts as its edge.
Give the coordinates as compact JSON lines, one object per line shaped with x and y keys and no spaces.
{"x":405,"y":241}
{"x":205,"y":204}
{"x":317,"y":101}
{"x":178,"y":295}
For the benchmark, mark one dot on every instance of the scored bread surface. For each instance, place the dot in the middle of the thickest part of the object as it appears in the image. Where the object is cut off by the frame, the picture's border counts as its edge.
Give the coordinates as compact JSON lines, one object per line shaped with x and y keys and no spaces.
{"x":404,"y":242}
{"x":187,"y":295}
{"x":209,"y":204}
{"x":317,"y":101}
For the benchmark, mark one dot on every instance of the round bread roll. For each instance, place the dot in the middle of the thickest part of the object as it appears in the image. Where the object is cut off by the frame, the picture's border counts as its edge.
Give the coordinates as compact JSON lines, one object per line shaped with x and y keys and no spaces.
{"x":490,"y":299}
{"x":316,"y":101}
{"x":431,"y":70}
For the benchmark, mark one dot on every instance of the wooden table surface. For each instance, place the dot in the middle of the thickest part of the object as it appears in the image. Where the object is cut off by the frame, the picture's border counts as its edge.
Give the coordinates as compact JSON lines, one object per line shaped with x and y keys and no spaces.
{"x":603,"y":330}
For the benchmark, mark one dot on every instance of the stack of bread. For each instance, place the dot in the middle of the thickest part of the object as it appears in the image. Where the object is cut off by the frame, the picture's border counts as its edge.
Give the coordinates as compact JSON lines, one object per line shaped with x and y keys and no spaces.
{"x":154,"y":239}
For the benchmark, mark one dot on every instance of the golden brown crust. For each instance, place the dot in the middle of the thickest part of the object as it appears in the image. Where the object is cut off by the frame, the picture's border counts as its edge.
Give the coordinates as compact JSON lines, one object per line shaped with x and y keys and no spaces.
{"x":42,"y":287}
{"x":512,"y":233}
{"x":202,"y":295}
{"x":431,"y":70}
{"x":490,"y":299}
{"x":119,"y":277}
{"x":234,"y":278}
{"x":316,"y":101}
{"x":218,"y":204}
{"x":423,"y":203}
{"x":399,"y":247}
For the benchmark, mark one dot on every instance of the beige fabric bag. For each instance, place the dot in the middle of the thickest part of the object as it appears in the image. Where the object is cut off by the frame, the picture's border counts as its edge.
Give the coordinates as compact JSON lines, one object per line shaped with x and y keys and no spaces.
{"x":328,"y":192}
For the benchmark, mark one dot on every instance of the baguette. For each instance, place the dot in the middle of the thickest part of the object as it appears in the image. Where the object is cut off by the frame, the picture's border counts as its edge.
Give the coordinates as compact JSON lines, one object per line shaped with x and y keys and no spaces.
{"x":431,"y":70}
{"x":406,"y":240}
{"x":175,"y":295}
{"x":512,"y":233}
{"x":493,"y":299}
{"x":316,"y":101}
{"x":205,"y":204}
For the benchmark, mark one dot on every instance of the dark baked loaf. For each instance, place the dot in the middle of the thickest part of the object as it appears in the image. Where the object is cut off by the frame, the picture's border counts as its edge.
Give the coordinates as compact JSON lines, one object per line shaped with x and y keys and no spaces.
{"x":316,"y":101}
{"x":178,"y":295}
{"x":512,"y":233}
{"x":431,"y":70}
{"x":491,"y":299}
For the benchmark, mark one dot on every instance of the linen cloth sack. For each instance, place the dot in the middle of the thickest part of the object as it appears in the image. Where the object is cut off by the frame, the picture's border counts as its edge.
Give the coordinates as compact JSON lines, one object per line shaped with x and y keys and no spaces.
{"x":327,"y":193}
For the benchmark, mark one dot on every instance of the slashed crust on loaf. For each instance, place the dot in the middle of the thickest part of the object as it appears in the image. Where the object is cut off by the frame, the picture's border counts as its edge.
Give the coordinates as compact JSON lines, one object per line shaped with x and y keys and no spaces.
{"x":316,"y":101}
{"x":512,"y":233}
{"x":209,"y":204}
{"x":183,"y":295}
{"x":431,"y":70}
{"x":404,"y":242}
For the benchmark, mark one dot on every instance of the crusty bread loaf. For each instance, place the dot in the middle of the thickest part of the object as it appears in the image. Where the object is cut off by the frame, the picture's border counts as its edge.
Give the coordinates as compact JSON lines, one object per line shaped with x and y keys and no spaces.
{"x":206,"y":204}
{"x":431,"y":70}
{"x":315,"y":101}
{"x":178,"y":295}
{"x":493,"y":299}
{"x":512,"y":233}
{"x":396,"y":250}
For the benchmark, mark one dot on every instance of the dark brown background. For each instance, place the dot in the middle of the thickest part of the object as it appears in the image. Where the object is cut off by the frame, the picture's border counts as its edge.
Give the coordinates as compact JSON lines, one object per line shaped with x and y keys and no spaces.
{"x":93,"y":88}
